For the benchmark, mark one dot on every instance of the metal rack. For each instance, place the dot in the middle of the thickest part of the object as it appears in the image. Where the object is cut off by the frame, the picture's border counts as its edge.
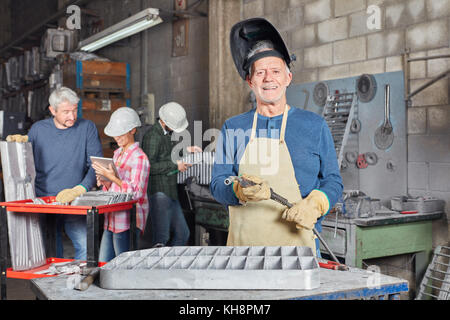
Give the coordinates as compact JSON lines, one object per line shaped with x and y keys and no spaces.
{"x":436,"y":282}
{"x":92,"y":224}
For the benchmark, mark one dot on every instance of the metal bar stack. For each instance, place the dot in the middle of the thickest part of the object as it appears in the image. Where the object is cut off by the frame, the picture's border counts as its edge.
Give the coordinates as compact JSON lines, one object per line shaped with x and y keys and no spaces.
{"x":436,"y":281}
{"x":338,"y":112}
{"x":24,"y":231}
{"x":98,"y":198}
{"x":202,"y":163}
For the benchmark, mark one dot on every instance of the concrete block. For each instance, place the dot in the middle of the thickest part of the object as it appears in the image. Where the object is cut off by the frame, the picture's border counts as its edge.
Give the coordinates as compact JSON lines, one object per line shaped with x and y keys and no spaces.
{"x":394,"y":64}
{"x":387,"y":43}
{"x":440,"y":177}
{"x":349,"y":50}
{"x":271,"y":6}
{"x":418,"y":175}
{"x":438,"y":8}
{"x":437,"y":66}
{"x":418,"y":69}
{"x":303,"y":37}
{"x":334,"y":72}
{"x":320,"y":56}
{"x":295,"y":17}
{"x":298,"y":3}
{"x":358,"y":24}
{"x":332,"y":30}
{"x":417,"y":120}
{"x":304,"y":76}
{"x":344,"y":7}
{"x":439,"y":120}
{"x":369,"y":66}
{"x":253,"y":9}
{"x":436,"y":94}
{"x":316,"y":11}
{"x":395,"y":15}
{"x":427,"y":35}
{"x":406,"y":13}
{"x":429,"y":148}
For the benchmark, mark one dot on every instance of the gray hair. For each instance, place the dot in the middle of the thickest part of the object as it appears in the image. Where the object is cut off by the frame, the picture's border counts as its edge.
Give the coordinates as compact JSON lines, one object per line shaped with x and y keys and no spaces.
{"x":61,"y":95}
{"x":260,"y":46}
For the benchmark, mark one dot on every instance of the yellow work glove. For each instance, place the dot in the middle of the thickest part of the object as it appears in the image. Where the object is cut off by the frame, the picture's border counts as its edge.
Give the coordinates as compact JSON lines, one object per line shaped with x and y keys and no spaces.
{"x":306,"y":212}
{"x":260,"y":191}
{"x":16,"y":138}
{"x":68,"y":195}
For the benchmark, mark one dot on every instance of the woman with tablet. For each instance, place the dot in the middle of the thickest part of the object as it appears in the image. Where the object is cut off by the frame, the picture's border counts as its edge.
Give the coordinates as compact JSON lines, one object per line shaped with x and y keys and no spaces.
{"x":130,"y":175}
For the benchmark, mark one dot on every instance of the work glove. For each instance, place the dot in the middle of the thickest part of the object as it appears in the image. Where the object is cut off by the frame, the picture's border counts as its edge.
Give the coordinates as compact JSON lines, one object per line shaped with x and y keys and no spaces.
{"x":68,"y":195}
{"x":260,"y":191}
{"x":16,"y":138}
{"x":306,"y":212}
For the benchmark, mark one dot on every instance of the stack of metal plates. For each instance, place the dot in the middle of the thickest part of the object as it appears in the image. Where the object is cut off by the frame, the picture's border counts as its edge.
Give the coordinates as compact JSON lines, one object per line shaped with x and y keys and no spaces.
{"x":202,"y":163}
{"x":98,"y":198}
{"x":24,"y":231}
{"x":212,"y":267}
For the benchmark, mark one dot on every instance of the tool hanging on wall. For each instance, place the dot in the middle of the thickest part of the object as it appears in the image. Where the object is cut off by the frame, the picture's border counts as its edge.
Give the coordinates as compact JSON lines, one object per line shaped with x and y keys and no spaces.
{"x":339,"y":113}
{"x":384,"y":135}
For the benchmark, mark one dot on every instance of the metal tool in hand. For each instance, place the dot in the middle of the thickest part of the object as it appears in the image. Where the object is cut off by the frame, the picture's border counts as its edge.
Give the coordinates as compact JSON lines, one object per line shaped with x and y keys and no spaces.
{"x":276,"y":197}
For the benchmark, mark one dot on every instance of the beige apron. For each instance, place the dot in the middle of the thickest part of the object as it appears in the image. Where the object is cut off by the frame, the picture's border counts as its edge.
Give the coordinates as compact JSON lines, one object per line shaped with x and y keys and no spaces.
{"x":260,"y":223}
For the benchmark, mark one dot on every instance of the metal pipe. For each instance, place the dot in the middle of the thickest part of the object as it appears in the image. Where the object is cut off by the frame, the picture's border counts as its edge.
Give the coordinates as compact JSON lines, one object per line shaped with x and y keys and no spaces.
{"x":429,"y":58}
{"x":429,"y":83}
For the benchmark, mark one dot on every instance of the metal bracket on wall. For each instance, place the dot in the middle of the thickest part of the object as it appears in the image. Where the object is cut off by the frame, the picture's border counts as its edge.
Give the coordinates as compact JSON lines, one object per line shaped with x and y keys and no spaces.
{"x":406,"y":67}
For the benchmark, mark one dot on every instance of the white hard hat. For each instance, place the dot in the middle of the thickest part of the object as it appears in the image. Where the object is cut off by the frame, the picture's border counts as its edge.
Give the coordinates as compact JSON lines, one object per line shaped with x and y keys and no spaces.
{"x":122,"y":121}
{"x":173,"y":116}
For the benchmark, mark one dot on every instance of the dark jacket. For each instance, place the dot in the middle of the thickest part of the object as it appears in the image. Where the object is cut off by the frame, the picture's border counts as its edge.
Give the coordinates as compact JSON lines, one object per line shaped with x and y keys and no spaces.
{"x":158,"y":148}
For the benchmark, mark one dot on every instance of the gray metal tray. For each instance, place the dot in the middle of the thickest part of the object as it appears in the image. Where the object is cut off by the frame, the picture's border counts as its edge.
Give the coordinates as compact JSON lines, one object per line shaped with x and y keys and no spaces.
{"x":212,"y":267}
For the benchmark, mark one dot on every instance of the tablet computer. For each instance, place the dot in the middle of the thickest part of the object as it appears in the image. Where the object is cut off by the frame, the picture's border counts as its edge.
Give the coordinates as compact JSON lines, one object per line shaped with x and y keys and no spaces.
{"x":105,"y":162}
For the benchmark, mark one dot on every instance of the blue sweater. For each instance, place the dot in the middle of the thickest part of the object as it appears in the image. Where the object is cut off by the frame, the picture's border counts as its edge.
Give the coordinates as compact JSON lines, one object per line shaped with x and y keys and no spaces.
{"x":308,"y":140}
{"x":62,"y":156}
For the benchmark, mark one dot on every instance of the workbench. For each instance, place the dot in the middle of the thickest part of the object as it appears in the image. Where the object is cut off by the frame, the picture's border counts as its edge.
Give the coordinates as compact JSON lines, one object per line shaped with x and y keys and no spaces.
{"x":353,"y":284}
{"x":381,"y":236}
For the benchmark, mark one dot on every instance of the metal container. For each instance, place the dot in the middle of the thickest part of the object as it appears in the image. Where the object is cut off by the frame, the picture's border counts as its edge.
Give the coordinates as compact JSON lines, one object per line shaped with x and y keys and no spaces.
{"x":213,"y":267}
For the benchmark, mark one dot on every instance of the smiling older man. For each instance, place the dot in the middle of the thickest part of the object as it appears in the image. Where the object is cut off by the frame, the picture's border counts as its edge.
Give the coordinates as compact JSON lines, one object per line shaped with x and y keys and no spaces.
{"x":275,"y":145}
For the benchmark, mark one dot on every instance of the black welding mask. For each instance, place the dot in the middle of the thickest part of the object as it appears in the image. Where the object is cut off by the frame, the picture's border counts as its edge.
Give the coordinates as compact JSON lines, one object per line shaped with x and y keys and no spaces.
{"x":243,"y":37}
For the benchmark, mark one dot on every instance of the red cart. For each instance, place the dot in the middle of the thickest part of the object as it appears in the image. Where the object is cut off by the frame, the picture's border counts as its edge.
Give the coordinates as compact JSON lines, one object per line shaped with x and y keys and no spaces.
{"x":92,"y":224}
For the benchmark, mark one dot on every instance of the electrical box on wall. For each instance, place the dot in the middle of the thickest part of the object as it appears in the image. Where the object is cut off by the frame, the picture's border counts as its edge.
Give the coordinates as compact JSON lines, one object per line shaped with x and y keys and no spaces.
{"x":373,"y":165}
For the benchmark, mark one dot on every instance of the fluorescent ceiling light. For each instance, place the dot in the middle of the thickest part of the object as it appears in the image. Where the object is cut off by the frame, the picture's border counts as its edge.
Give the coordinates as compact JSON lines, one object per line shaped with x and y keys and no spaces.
{"x":132,"y":25}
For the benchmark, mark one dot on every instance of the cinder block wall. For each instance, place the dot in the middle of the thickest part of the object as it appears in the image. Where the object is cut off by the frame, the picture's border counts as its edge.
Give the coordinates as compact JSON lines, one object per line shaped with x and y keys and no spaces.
{"x":331,"y":40}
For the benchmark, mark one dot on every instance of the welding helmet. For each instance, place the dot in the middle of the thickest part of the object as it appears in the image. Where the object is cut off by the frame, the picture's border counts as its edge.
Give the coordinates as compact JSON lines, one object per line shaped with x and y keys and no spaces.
{"x":173,"y":116}
{"x":122,"y":121}
{"x":243,"y":37}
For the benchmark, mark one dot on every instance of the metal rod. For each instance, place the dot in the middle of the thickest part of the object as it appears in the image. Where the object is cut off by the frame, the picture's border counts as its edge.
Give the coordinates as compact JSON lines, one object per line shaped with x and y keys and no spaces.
{"x":429,"y":58}
{"x":429,"y":83}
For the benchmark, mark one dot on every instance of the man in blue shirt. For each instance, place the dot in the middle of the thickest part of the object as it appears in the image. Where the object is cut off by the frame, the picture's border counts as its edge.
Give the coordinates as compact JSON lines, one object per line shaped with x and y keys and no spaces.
{"x":62,"y":146}
{"x":274,"y":145}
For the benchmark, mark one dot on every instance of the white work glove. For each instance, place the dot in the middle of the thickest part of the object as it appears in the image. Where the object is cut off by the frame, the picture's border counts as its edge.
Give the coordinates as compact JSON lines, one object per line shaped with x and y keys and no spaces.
{"x":260,"y":191}
{"x":68,"y":195}
{"x":16,"y":138}
{"x":306,"y":212}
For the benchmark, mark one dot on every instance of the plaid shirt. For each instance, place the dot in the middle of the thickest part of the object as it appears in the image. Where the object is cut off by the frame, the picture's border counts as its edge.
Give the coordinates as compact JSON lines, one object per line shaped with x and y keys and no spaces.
{"x":158,"y":148}
{"x":133,"y":168}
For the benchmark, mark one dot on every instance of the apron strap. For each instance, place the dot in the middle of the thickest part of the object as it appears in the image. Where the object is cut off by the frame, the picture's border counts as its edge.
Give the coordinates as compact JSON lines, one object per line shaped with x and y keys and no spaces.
{"x":283,"y":125}
{"x":255,"y":121}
